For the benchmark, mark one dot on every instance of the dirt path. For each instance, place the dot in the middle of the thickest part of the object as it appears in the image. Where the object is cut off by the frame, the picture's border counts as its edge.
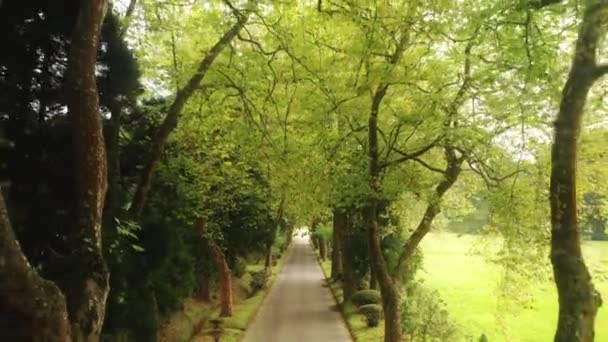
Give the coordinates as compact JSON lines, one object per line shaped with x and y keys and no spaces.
{"x":299,"y":307}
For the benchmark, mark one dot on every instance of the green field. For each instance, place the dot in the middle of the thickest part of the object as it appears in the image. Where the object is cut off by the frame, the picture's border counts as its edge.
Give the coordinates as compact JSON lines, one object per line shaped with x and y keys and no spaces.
{"x":469,"y":286}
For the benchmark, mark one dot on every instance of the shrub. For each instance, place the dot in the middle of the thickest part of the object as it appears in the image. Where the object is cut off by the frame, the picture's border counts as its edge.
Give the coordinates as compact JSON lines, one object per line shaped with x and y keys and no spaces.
{"x":425,"y":316}
{"x":258,"y":281}
{"x":365,"y":297}
{"x":372,"y":313}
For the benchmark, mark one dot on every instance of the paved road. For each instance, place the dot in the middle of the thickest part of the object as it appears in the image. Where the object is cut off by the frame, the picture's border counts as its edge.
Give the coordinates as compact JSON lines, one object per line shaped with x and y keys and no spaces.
{"x":298,"y":307}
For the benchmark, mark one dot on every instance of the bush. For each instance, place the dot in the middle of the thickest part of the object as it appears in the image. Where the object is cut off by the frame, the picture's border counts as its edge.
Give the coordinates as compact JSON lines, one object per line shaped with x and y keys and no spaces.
{"x":258,"y":281}
{"x":425,"y":316}
{"x":365,"y":297}
{"x":372,"y":313}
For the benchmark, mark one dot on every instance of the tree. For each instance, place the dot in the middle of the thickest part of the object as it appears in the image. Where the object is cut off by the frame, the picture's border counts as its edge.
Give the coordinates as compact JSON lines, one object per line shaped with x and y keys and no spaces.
{"x":183,"y":95}
{"x":85,"y":298}
{"x":578,"y":299}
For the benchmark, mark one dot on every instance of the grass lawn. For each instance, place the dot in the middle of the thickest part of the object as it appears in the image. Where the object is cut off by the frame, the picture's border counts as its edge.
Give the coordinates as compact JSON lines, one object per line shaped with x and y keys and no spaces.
{"x":468,"y":284}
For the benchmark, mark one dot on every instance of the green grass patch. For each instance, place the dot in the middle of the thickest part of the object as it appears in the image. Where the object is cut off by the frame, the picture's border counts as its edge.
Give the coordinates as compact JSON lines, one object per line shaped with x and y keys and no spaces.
{"x":469,"y":286}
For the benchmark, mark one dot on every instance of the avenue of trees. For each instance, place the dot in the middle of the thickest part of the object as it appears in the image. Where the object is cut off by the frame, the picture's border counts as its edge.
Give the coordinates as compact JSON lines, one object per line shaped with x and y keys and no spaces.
{"x":149,"y":147}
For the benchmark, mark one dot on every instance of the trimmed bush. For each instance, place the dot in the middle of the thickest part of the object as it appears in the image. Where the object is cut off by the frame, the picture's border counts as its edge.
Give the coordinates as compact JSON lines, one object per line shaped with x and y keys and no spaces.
{"x":365,"y":297}
{"x":372,"y":314}
{"x":258,"y":281}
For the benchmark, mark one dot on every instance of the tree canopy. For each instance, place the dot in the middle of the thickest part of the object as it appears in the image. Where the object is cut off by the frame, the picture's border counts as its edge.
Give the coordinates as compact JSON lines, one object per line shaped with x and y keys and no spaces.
{"x":219,"y":126}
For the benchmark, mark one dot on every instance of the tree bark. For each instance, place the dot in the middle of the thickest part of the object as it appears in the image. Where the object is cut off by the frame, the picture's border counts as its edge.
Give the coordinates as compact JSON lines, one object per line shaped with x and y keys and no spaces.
{"x":578,"y":299}
{"x":170,"y":122}
{"x":225,"y":278}
{"x":203,"y":293}
{"x":41,"y":311}
{"x":373,"y":278}
{"x":34,"y":308}
{"x":350,"y":279}
{"x":268,"y":260}
{"x":322,"y":248}
{"x":278,"y":220}
{"x":337,"y":263}
{"x":88,"y":290}
{"x":391,"y":299}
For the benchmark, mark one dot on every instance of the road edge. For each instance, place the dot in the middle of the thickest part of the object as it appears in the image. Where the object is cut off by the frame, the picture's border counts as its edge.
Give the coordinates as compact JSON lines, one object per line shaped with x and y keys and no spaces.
{"x":333,"y":293}
{"x":268,"y":289}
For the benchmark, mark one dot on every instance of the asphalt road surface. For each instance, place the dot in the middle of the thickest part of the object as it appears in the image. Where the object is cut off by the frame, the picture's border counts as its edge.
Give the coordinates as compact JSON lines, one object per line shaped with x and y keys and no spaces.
{"x":298,"y":308}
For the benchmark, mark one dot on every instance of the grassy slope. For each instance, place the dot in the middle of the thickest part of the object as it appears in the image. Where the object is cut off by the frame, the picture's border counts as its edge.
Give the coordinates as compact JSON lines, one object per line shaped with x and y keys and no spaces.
{"x":468,"y":284}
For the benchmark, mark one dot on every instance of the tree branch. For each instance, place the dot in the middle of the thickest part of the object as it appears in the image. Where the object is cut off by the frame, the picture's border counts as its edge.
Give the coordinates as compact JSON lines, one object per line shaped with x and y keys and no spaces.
{"x":409,"y":156}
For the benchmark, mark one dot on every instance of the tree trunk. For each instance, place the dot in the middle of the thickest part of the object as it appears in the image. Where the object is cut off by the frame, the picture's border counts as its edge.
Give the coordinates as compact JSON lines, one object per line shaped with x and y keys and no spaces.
{"x":203,"y":294}
{"x":337,"y":264}
{"x":322,"y":248}
{"x":373,"y":278}
{"x":88,"y":290}
{"x":278,"y":220}
{"x":452,"y":173}
{"x":268,"y":261}
{"x":34,"y":308}
{"x":40,"y":310}
{"x":225,"y":278}
{"x":170,"y":122}
{"x":350,"y":279}
{"x":390,"y":295}
{"x":314,"y":239}
{"x":578,"y":299}
{"x":391,"y":300}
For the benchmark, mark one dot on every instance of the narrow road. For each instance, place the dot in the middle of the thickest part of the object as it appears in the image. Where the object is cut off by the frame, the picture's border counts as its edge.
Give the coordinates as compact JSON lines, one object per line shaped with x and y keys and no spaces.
{"x":298,"y":307}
